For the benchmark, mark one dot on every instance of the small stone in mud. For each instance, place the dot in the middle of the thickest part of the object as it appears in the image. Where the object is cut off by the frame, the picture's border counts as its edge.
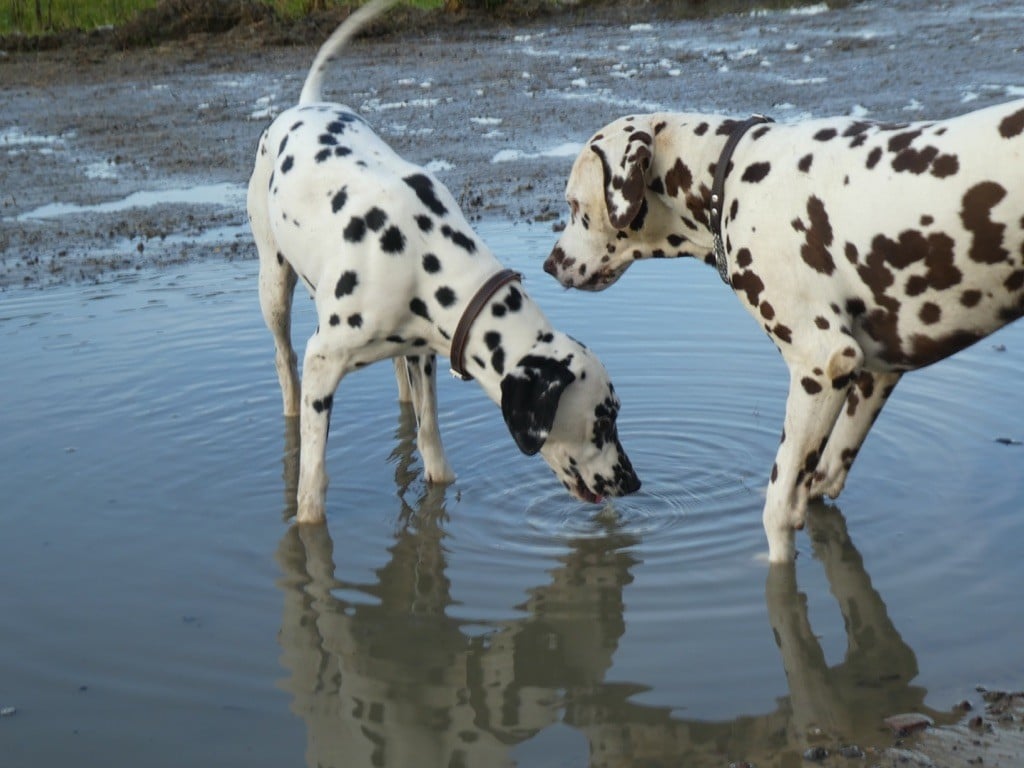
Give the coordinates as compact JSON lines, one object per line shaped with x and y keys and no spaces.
{"x":816,"y":754}
{"x":905,"y":724}
{"x":852,"y":751}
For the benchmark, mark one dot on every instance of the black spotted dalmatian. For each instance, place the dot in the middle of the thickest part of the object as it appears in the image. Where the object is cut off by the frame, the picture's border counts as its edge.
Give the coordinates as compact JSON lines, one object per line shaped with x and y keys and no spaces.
{"x":396,"y":272}
{"x":864,"y":249}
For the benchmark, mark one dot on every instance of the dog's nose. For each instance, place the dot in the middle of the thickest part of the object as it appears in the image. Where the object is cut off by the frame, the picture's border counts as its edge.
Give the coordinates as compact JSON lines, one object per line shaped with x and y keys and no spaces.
{"x":556,"y":257}
{"x":631,"y":485}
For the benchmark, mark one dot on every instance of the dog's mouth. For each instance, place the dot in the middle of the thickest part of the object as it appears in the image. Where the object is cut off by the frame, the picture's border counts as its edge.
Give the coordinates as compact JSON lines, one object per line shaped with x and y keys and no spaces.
{"x":581,"y":490}
{"x":585,"y":494}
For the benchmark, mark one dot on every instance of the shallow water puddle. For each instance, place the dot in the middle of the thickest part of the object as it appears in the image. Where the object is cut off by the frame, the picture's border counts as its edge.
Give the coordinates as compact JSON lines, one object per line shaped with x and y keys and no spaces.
{"x":225,"y":194}
{"x":158,"y":609}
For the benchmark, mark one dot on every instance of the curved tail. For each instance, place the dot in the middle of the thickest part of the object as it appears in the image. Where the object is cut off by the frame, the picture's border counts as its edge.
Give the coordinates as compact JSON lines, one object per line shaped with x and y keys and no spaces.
{"x":348,"y":29}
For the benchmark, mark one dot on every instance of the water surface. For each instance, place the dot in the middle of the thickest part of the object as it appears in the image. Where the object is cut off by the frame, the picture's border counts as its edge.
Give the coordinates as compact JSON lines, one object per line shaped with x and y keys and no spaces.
{"x":158,"y":609}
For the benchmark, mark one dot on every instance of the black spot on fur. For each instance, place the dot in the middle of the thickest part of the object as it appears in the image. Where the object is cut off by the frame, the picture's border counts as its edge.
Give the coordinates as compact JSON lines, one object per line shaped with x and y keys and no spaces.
{"x":424,"y":189}
{"x":461,"y":240}
{"x":355,"y":231}
{"x":339,"y":199}
{"x":418,"y":307}
{"x":445,"y":296}
{"x":392,"y":241}
{"x":346,"y":284}
{"x":375,"y":218}
{"x":431,"y":263}
{"x":355,"y":320}
{"x":425,"y":223}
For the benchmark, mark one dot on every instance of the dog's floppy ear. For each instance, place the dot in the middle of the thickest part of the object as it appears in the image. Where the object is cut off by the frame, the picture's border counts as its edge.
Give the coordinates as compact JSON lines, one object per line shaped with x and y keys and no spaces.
{"x":625,"y":161}
{"x":529,"y":399}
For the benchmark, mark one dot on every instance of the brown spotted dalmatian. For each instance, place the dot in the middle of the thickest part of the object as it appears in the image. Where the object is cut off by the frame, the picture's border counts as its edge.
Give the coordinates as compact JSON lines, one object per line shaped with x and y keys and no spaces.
{"x":864,"y":249}
{"x":395,"y":271}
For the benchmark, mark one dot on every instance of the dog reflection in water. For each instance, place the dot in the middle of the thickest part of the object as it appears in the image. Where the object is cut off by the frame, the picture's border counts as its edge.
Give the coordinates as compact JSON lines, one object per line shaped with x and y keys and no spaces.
{"x":383,"y":675}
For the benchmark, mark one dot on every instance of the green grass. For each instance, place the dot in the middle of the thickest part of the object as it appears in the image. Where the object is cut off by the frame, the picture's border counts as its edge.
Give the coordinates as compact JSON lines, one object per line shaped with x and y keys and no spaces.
{"x":32,"y":17}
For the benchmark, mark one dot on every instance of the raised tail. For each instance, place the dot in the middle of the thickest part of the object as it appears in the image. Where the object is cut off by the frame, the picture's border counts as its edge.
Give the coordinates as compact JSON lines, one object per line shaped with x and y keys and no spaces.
{"x":348,"y":29}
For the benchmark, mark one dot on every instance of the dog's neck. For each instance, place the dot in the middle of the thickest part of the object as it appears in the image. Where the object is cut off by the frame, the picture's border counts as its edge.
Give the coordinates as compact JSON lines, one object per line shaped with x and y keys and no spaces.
{"x":679,"y":220}
{"x":508,"y":327}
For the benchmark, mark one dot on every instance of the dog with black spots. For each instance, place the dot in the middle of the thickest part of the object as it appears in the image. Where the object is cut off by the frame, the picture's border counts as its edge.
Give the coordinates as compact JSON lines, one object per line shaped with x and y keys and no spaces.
{"x":395,"y":271}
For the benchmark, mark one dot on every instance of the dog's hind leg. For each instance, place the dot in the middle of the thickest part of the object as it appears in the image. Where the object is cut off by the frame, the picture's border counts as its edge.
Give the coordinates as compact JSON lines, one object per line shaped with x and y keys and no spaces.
{"x":276,"y":280}
{"x":402,"y":380}
{"x":422,"y":377}
{"x":277,"y":287}
{"x":816,"y":395}
{"x":864,"y":401}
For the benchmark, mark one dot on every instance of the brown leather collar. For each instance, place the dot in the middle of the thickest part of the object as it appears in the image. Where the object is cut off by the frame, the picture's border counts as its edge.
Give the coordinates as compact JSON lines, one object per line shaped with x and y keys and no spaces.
{"x":718,"y":190}
{"x":473,"y":309}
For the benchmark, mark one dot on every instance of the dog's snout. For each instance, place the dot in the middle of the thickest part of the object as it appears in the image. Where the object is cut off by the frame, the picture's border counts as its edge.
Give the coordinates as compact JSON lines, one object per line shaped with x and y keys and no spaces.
{"x":553,"y":260}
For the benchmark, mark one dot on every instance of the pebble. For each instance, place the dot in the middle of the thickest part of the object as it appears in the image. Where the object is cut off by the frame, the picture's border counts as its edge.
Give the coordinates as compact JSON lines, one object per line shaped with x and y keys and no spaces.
{"x":905,"y":724}
{"x":817,"y":754}
{"x":8,"y":711}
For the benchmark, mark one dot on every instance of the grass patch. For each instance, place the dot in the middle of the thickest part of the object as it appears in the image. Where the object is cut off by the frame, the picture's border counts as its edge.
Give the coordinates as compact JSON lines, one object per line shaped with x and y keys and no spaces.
{"x":35,"y":17}
{"x":48,"y":23}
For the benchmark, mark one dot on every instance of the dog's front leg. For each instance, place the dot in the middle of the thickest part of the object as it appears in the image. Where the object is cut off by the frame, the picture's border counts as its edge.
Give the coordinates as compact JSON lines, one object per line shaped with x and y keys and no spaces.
{"x":864,"y":401}
{"x":816,"y":395}
{"x":322,"y":370}
{"x":422,"y":377}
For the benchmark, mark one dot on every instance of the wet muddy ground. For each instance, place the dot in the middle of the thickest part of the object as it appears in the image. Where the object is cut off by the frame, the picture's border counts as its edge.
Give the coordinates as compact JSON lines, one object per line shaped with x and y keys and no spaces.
{"x":498,"y":112}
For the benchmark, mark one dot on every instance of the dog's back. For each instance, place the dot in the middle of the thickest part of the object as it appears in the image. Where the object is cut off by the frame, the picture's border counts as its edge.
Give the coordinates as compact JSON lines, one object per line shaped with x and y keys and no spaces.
{"x":924,"y":210}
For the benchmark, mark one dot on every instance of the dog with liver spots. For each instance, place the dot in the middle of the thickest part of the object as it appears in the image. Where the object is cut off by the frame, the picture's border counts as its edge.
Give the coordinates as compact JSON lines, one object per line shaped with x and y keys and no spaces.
{"x":395,"y":271}
{"x":863,"y":249}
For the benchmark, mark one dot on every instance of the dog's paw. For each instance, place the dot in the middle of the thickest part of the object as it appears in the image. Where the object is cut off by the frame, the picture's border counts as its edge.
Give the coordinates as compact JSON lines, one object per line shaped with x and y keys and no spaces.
{"x":439,"y":476}
{"x":310,"y":511}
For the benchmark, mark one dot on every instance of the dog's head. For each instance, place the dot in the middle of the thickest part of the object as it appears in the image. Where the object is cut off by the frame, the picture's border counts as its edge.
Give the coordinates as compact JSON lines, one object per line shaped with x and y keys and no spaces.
{"x":617,"y":209}
{"x":559,"y":401}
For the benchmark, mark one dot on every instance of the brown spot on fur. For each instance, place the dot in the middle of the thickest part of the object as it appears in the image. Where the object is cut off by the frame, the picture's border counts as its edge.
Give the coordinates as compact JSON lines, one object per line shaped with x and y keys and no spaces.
{"x":930,"y":313}
{"x":755,"y":172}
{"x":970,"y":298}
{"x":819,"y":237}
{"x":1012,"y":125}
{"x":945,"y":165}
{"x":811,"y":387}
{"x":978,"y":202}
{"x":750,"y":284}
